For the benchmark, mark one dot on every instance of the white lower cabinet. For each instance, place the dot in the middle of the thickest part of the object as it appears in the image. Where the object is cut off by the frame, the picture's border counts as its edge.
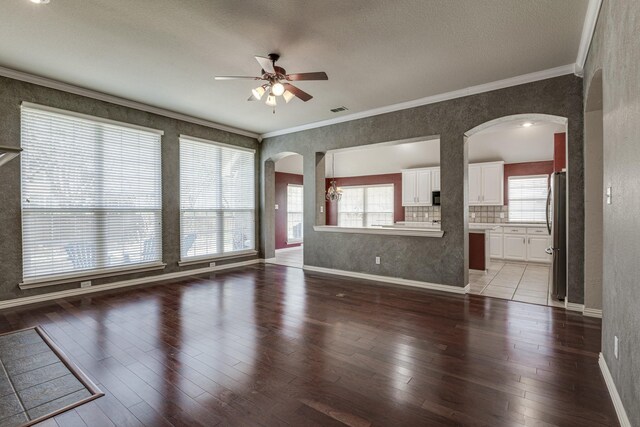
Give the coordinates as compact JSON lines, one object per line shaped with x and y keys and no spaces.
{"x":495,"y":245}
{"x":536,"y":246}
{"x":515,"y":247}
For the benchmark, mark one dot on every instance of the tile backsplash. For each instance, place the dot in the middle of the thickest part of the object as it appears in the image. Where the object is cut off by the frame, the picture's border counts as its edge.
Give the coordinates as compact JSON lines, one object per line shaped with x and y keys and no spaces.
{"x":489,"y":214}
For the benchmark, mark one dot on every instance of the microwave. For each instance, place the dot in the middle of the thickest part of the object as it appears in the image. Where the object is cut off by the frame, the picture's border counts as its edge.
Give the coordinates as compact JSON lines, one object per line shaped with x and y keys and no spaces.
{"x":435,"y":198}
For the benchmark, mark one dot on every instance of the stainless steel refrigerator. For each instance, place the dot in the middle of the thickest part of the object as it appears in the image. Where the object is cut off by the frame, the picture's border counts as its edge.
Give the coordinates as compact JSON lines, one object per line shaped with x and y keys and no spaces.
{"x":557,"y":226}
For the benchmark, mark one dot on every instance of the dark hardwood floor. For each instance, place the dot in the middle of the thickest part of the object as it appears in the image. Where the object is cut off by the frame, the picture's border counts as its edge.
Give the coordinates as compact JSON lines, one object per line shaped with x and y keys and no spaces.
{"x":271,"y":345}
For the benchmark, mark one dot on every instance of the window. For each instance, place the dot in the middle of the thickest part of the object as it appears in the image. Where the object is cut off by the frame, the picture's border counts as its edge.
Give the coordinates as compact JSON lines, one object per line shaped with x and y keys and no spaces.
{"x":91,"y":195}
{"x":294,"y":213}
{"x":364,"y":206}
{"x":217,"y":199}
{"x":528,"y":198}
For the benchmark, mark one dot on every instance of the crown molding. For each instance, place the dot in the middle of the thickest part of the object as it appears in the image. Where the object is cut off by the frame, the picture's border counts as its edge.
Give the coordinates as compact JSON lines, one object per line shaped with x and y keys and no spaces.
{"x":473,"y":90}
{"x":588,"y":30}
{"x":100,"y":96}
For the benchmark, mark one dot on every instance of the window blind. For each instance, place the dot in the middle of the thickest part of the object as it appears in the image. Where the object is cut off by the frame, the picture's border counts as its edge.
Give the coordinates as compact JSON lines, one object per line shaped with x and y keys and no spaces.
{"x":294,"y":212}
{"x":217,"y":199}
{"x":364,"y":206}
{"x":528,"y":198}
{"x":91,"y":194}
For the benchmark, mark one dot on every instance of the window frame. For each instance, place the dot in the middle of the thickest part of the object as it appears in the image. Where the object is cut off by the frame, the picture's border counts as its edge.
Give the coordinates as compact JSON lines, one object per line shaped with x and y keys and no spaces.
{"x":291,"y":240}
{"x":364,"y":202}
{"x":184,"y":261}
{"x":509,"y":203}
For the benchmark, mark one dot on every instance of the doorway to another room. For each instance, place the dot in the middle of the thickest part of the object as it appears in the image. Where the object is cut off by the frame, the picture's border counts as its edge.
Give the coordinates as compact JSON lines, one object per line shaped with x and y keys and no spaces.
{"x":289,"y":215}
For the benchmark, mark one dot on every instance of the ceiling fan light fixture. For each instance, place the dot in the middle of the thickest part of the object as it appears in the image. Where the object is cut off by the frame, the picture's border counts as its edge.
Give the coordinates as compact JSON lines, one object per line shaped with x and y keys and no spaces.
{"x":277,"y":89}
{"x":258,"y":92}
{"x":271,"y":100}
{"x":288,"y":96}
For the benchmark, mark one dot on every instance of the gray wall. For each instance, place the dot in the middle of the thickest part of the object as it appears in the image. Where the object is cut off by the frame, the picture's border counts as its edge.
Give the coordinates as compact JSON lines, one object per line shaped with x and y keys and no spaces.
{"x":616,"y":50}
{"x":443,"y":260}
{"x":12,"y":94}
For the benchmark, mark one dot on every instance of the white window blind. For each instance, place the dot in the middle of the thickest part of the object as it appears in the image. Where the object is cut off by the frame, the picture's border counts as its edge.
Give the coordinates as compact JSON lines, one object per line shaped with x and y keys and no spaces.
{"x":217,"y":199}
{"x":294,"y":213}
{"x":363,"y":206}
{"x":91,"y":194}
{"x":528,"y":198}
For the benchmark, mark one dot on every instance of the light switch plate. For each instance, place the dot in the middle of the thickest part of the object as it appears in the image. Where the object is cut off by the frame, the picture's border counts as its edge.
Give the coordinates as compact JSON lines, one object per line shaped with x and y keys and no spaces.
{"x":321,"y":209}
{"x":277,"y":207}
{"x":616,"y":346}
{"x":609,"y":195}
{"x":378,"y":260}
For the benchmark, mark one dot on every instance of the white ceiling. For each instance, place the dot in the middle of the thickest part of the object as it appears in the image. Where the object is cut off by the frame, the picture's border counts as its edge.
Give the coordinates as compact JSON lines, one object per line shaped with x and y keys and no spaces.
{"x":510,"y":142}
{"x":376,"y":52}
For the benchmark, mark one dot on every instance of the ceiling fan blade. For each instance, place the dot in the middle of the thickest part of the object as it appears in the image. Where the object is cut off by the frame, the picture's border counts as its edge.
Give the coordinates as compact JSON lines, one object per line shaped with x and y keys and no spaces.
{"x":266,"y":64}
{"x":236,"y":78}
{"x":320,"y":75}
{"x":297,"y":92}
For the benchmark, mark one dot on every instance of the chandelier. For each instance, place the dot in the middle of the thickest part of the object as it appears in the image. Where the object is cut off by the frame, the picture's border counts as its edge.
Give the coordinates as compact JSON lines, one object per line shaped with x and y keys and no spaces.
{"x":334,"y":193}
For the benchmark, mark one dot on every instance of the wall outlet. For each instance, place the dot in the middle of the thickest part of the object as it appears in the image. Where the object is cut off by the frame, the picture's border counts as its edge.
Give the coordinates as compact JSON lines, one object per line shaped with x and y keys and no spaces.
{"x":502,"y":215}
{"x":415,"y":215}
{"x":609,"y":195}
{"x":426,"y":215}
{"x":321,"y":209}
{"x":473,"y":215}
{"x":616,"y":346}
{"x":212,"y":264}
{"x":85,"y":284}
{"x":378,"y":260}
{"x":277,"y":207}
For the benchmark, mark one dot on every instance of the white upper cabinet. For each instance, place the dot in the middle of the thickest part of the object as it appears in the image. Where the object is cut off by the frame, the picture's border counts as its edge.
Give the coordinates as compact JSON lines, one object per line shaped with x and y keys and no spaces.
{"x":486,"y":183}
{"x":417,"y":186}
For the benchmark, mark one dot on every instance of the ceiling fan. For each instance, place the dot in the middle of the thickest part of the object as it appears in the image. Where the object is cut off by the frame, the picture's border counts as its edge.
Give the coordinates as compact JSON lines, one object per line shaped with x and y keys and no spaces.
{"x":277,"y":81}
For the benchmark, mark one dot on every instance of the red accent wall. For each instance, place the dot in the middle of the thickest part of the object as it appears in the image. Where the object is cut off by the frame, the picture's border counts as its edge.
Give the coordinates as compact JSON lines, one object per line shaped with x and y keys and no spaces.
{"x":391,"y":178}
{"x":559,"y":151}
{"x":520,"y":169}
{"x":282,"y":180}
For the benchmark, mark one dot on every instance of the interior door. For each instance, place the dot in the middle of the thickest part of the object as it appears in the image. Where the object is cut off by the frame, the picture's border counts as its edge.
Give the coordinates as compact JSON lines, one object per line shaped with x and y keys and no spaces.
{"x":492,"y":185}
{"x":424,"y":187}
{"x":475,"y":184}
{"x":409,"y":188}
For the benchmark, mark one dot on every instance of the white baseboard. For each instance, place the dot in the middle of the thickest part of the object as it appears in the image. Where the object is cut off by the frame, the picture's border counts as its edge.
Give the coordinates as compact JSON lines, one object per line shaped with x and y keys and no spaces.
{"x":117,"y":285}
{"x":388,"y":279}
{"x":592,"y":312}
{"x":573,"y":306}
{"x":268,"y":260}
{"x":613,"y":391}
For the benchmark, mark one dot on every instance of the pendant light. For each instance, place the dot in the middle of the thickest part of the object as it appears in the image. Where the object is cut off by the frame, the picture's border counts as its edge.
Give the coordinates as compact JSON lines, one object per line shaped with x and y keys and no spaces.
{"x":334,"y":193}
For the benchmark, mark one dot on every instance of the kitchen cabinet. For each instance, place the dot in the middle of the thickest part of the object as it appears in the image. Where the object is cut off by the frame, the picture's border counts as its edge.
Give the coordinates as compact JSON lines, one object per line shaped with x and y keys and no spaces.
{"x":417,"y":186}
{"x":520,"y":244}
{"x":536,"y":246}
{"x":515,"y":247}
{"x":495,"y":245}
{"x":435,"y":179}
{"x":486,"y":184}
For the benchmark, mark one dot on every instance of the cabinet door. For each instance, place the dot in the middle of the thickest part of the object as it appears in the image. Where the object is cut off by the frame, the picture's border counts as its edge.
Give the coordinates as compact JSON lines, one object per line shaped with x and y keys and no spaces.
{"x":409,"y":188}
{"x":435,"y":179}
{"x":492,"y":184}
{"x":475,"y":185}
{"x":536,"y":246}
{"x":495,"y":246}
{"x":424,"y":187}
{"x":515,"y":247}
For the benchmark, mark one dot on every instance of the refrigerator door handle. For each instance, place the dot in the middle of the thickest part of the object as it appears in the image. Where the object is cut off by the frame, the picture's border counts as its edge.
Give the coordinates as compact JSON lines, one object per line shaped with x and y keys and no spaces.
{"x":549,"y":250}
{"x":547,"y":210}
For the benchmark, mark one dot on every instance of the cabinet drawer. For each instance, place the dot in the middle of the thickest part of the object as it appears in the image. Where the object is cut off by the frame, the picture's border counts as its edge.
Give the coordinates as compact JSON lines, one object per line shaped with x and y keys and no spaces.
{"x":514,"y":230}
{"x":496,"y":231}
{"x":538,"y":231}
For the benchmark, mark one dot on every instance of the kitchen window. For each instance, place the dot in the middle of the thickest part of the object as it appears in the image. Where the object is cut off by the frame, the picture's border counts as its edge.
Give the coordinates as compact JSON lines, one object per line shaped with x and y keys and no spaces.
{"x":294,"y":213}
{"x":528,"y":198}
{"x":91,"y":195}
{"x":217,"y":199}
{"x":364,"y":206}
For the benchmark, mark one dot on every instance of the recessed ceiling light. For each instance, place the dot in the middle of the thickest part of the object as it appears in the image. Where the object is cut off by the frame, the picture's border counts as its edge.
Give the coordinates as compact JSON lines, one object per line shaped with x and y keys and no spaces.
{"x":527,"y":124}
{"x":40,"y":1}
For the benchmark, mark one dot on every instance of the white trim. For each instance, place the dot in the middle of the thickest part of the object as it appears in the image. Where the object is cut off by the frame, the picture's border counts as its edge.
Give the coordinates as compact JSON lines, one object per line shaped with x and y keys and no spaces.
{"x":592,"y":312}
{"x":473,"y":90}
{"x":404,"y":231}
{"x":77,"y":90}
{"x":613,"y":392}
{"x":388,"y":279}
{"x":220,"y":144}
{"x":588,"y":30}
{"x":267,"y":260}
{"x":292,"y":248}
{"x":214,"y":258}
{"x":117,"y":285}
{"x":88,"y":117}
{"x":572,"y":306}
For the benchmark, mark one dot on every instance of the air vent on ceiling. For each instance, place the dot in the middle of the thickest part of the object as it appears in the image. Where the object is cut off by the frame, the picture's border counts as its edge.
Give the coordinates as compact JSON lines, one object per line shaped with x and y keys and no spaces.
{"x":338,"y":109}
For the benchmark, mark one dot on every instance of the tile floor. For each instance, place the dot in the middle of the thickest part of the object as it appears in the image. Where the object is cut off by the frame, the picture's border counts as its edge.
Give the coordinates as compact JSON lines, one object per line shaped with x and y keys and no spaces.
{"x":291,"y":257}
{"x":526,"y":282}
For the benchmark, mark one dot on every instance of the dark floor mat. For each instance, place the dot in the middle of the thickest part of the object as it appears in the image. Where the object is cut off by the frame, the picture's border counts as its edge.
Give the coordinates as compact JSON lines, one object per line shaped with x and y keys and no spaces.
{"x":37,"y":380}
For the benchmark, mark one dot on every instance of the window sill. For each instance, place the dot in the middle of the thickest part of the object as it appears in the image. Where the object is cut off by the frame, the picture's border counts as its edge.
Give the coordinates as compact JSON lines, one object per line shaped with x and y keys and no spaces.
{"x":204,"y":260}
{"x":415,"y":232}
{"x":97,"y":274}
